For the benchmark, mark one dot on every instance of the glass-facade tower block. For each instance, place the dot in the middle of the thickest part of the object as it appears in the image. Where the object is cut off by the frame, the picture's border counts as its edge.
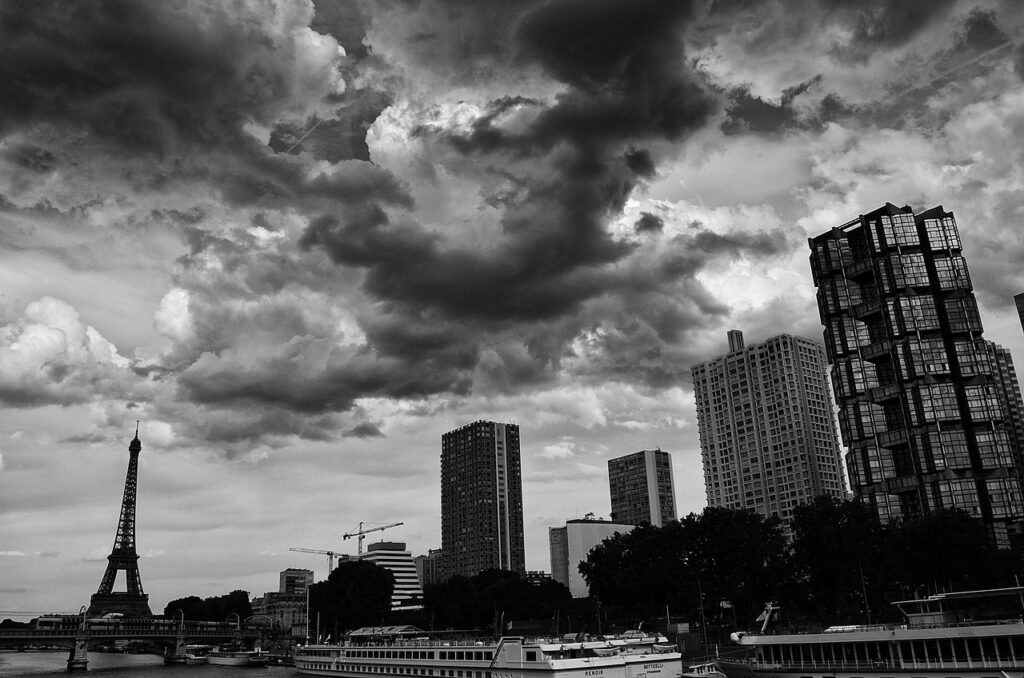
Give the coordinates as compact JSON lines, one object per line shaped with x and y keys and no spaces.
{"x":481,"y":500}
{"x":920,"y":404}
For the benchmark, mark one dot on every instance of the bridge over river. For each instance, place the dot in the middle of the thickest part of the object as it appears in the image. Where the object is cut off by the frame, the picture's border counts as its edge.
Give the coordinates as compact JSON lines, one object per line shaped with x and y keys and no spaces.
{"x":78,"y":634}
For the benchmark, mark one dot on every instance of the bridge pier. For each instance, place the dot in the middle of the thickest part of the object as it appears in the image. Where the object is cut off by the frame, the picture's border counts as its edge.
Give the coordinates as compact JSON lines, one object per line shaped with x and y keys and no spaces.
{"x":176,"y":656}
{"x":78,"y":658}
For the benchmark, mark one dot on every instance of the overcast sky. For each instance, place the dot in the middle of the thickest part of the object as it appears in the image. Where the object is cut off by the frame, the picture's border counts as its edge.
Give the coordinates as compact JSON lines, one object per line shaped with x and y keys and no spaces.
{"x":301,"y":240}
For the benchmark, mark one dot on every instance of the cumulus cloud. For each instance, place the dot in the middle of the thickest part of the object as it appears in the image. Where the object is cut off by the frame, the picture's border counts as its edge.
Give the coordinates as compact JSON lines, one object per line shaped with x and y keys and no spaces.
{"x":403,"y":201}
{"x":50,"y":356}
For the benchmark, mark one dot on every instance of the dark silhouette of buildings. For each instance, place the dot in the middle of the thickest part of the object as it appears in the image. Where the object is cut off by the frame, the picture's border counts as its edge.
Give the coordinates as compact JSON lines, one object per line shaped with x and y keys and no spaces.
{"x":132,"y":602}
{"x":922,"y":406}
{"x":481,"y":500}
{"x":641,"y":488}
{"x":768,"y":440}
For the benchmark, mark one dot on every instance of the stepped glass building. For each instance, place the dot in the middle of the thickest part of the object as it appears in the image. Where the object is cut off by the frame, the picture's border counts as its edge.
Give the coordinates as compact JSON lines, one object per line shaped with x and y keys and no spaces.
{"x":392,"y":556}
{"x":922,"y":406}
{"x":768,"y":441}
{"x":481,"y":500}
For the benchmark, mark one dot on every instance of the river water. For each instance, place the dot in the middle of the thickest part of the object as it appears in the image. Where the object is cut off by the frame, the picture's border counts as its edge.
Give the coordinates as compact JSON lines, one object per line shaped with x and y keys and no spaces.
{"x":125,"y":666}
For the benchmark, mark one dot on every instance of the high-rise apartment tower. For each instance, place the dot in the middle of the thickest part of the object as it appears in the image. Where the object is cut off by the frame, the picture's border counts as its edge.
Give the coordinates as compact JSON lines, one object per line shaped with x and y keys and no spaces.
{"x":642,"y":488}
{"x":768,"y":441}
{"x":481,"y":499}
{"x":917,"y":387}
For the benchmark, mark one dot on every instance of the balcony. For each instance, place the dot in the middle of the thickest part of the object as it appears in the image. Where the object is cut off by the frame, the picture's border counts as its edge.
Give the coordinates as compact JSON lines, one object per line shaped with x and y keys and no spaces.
{"x":897,"y":485}
{"x":875,"y":350}
{"x":867,"y":308}
{"x":892,"y":438}
{"x":859,"y":268}
{"x":881,"y":394}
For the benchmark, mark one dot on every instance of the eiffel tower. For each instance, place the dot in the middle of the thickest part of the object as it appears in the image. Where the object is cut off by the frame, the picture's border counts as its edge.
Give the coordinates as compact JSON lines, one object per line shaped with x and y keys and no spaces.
{"x":133,"y":602}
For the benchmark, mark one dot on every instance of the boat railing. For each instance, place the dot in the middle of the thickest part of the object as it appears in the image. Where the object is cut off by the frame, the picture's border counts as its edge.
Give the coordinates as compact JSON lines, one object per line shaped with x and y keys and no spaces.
{"x":885,"y":665}
{"x":860,"y":628}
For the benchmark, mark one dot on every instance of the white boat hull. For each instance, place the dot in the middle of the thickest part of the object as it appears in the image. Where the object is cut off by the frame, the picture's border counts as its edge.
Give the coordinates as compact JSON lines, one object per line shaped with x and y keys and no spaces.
{"x":510,"y":659}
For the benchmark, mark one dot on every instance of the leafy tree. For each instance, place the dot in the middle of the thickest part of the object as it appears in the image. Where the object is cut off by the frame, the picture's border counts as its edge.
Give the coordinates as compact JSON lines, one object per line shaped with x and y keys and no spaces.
{"x":357,"y":593}
{"x":719,"y":554}
{"x":737,"y":556}
{"x":191,"y":606}
{"x":215,"y":608}
{"x":638,"y":573}
{"x":453,"y":603}
{"x":841,"y":552}
{"x":949,"y":551}
{"x":477,"y":601}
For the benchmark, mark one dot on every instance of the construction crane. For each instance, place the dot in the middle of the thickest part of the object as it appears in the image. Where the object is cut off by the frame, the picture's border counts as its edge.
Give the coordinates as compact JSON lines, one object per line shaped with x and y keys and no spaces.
{"x":361,"y":533}
{"x":330,"y":556}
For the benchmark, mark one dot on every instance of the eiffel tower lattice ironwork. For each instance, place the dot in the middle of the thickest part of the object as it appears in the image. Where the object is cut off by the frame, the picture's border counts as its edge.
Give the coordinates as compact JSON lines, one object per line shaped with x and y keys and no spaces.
{"x":132,"y":602}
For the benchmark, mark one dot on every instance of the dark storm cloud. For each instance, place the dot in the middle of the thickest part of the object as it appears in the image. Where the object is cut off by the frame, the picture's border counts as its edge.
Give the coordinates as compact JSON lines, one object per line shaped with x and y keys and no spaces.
{"x":748,"y":113}
{"x":648,"y":223}
{"x":364,"y":430}
{"x":346,"y":21}
{"x":177,"y":84}
{"x":980,"y":31}
{"x":342,"y":138}
{"x":30,"y":157}
{"x":277,"y":381}
{"x":625,"y":64}
{"x":880,"y":23}
{"x":629,"y":82}
{"x":131,"y":72}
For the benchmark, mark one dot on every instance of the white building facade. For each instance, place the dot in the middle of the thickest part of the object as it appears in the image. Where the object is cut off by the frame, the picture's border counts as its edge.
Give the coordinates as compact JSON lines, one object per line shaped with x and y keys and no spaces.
{"x":570,"y":545}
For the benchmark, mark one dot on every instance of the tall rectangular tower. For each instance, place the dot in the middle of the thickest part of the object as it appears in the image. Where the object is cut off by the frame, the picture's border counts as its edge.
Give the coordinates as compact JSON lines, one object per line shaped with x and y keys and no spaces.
{"x":918,"y":393}
{"x":294,"y":581}
{"x":481,"y":499}
{"x":642,"y":488}
{"x":767,"y":438}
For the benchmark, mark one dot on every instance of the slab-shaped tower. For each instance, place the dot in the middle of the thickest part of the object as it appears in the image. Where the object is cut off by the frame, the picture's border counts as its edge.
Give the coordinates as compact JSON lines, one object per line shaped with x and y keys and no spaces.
{"x":132,"y":602}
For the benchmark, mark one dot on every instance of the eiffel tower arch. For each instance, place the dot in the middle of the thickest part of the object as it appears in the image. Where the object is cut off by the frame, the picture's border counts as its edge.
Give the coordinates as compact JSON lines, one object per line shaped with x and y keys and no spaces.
{"x":132,"y":602}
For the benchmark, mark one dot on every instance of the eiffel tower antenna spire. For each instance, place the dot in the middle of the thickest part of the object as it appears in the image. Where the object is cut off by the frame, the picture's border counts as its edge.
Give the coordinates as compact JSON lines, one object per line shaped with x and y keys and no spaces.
{"x":133,"y":602}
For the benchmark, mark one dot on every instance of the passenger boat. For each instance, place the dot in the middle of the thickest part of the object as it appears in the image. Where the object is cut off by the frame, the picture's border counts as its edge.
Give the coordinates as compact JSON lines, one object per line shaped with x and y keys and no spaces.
{"x":640,"y":656}
{"x":197,"y":654}
{"x":969,"y":634}
{"x":708,"y":669}
{"x":235,"y":656}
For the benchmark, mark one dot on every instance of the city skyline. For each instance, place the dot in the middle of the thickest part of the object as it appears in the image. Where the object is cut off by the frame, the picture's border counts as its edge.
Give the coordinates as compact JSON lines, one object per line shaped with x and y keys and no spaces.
{"x":299,"y":242}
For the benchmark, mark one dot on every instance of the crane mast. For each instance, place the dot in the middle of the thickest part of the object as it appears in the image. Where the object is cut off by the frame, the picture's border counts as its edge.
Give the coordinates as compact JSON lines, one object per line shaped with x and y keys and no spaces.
{"x":361,"y":533}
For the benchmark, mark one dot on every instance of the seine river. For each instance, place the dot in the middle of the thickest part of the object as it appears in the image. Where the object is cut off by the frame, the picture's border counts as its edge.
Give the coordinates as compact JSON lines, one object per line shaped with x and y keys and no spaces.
{"x":124,"y":666}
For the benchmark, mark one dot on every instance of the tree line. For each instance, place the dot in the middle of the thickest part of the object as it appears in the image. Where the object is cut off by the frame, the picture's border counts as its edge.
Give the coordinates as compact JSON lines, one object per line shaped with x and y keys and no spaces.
{"x":841,"y":566}
{"x":214,"y":608}
{"x":716,"y":569}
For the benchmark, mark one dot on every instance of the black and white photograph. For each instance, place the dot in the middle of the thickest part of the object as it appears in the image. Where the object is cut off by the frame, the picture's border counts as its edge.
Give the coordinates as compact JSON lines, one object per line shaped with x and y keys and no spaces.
{"x":512,"y":339}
